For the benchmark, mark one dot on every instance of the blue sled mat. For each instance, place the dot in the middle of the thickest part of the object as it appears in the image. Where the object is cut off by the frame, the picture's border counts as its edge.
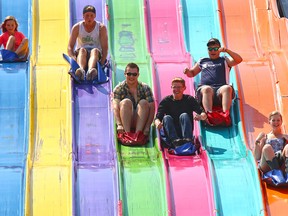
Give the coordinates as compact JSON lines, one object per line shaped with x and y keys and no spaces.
{"x":102,"y":72}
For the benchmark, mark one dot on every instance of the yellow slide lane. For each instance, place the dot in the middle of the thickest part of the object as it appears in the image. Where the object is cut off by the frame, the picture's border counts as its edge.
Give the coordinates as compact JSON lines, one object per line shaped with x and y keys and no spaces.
{"x":49,"y":174}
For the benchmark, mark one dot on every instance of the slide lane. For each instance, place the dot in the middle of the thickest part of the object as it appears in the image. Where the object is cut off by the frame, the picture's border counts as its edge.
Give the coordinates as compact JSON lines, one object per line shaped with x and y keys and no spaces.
{"x":141,"y":169}
{"x":232,"y":162}
{"x":271,"y":34}
{"x":255,"y":73}
{"x":189,"y":176}
{"x":49,"y":182}
{"x":95,"y":178}
{"x":278,"y":49}
{"x":14,"y":116}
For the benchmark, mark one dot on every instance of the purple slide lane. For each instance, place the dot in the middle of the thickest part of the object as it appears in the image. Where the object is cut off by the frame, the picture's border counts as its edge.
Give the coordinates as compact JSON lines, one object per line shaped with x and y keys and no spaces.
{"x":94,"y":155}
{"x":189,"y":176}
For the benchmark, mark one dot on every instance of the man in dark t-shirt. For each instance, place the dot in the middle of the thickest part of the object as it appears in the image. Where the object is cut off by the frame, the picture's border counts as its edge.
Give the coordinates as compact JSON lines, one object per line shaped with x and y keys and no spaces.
{"x":175,"y":114}
{"x":214,"y":88}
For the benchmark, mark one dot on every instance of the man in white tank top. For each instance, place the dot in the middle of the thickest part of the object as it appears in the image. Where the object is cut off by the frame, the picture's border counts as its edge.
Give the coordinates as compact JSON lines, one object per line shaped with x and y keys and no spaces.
{"x":91,"y":40}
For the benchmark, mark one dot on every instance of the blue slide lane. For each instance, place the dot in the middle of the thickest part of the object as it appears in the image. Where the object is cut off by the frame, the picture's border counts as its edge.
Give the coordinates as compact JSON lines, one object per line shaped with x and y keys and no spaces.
{"x":237,"y":188}
{"x":14,"y":105}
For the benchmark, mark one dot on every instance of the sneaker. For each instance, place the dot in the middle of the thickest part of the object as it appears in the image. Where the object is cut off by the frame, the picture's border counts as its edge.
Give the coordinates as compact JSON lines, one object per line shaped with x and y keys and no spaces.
{"x":80,"y":73}
{"x":186,"y":140}
{"x":92,"y":74}
{"x":178,"y":142}
{"x":286,"y":166}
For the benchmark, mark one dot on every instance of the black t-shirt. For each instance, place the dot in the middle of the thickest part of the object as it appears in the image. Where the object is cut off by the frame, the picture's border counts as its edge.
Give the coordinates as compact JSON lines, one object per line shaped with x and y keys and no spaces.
{"x":174,"y":108}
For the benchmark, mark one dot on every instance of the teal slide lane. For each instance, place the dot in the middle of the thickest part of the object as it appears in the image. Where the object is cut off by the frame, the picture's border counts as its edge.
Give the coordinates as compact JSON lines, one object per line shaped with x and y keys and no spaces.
{"x":141,"y":169}
{"x":14,"y":105}
{"x":236,"y":186}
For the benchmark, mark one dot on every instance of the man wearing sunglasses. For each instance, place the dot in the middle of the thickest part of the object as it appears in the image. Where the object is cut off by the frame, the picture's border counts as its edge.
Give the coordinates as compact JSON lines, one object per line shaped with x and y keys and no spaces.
{"x":214,"y":88}
{"x":133,"y":103}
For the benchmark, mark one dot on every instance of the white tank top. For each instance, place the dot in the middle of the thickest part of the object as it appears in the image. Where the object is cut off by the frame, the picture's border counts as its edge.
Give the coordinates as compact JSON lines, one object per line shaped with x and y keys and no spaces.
{"x":88,"y":39}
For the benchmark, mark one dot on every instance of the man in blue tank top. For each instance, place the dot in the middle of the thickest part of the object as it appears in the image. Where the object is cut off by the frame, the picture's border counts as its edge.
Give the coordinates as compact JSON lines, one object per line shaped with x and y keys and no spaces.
{"x":214,"y":88}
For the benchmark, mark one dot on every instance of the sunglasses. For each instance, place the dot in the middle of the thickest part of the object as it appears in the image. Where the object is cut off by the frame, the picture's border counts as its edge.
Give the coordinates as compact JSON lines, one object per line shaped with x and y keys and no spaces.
{"x":213,"y":48}
{"x":177,"y":87}
{"x":132,"y":74}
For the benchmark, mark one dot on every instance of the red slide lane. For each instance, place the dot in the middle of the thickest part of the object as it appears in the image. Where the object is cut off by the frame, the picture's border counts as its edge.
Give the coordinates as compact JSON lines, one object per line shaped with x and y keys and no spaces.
{"x":189,"y":176}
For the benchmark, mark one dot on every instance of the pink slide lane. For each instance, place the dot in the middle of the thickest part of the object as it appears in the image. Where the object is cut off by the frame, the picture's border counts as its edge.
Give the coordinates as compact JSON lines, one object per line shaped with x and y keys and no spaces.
{"x":189,"y":177}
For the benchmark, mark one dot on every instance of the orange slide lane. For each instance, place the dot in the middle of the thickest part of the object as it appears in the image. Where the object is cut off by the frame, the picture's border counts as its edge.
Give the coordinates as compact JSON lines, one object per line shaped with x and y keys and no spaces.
{"x":273,"y":32}
{"x":278,"y":50}
{"x":250,"y":28}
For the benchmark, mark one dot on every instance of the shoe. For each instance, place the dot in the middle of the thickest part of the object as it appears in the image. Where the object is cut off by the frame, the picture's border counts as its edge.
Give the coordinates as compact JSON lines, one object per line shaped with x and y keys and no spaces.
{"x":186,"y":140}
{"x":178,"y":142}
{"x":274,"y":164}
{"x":80,"y":73}
{"x":286,"y":166}
{"x":23,"y":57}
{"x":92,"y":74}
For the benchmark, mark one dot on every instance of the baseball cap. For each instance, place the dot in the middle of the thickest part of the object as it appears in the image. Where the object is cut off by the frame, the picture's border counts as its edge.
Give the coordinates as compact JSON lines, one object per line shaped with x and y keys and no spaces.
{"x":89,"y":8}
{"x":213,"y":41}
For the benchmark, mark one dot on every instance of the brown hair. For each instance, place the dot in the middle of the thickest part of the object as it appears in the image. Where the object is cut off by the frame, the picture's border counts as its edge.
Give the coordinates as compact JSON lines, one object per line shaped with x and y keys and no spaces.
{"x":132,"y":65}
{"x":275,"y":113}
{"x":89,"y":8}
{"x":178,"y":80}
{"x":213,"y":41}
{"x":8,"y":18}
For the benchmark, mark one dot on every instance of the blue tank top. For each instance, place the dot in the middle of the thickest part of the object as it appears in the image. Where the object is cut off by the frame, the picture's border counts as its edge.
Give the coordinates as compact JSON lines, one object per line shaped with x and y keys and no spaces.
{"x":276,"y":143}
{"x":214,"y":72}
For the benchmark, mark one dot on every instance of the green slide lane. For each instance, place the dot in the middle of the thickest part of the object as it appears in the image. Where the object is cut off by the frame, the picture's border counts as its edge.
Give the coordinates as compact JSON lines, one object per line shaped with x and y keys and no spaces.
{"x":141,"y":169}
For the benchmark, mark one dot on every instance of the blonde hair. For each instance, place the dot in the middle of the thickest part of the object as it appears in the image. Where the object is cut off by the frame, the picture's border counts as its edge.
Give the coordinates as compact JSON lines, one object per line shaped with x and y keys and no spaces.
{"x":275,"y":113}
{"x":178,"y":80}
{"x":8,"y":18}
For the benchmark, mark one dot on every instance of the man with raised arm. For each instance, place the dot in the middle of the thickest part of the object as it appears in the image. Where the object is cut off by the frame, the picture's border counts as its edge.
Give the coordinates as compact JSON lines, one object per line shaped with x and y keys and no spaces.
{"x":214,"y":87}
